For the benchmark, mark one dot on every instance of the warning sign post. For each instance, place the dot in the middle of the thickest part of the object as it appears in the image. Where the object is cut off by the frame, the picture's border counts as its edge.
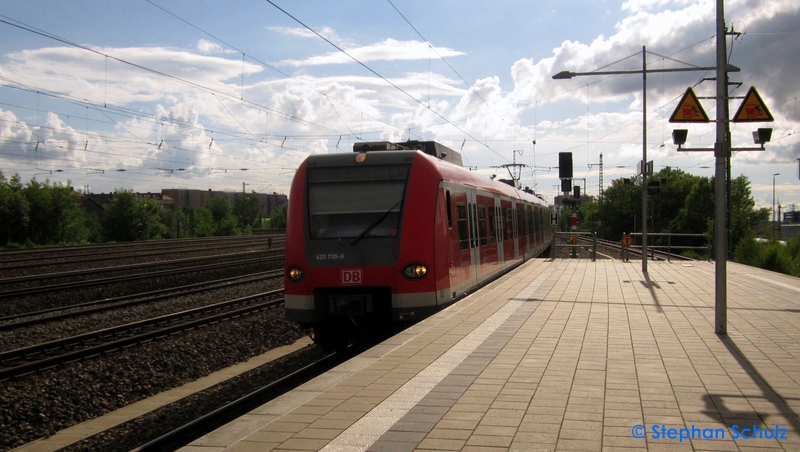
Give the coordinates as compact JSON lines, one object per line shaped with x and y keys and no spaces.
{"x":689,"y":109}
{"x":753,"y":109}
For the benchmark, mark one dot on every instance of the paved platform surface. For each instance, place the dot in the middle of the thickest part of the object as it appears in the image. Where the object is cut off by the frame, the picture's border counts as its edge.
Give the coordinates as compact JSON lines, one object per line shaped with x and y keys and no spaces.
{"x":562,"y":355}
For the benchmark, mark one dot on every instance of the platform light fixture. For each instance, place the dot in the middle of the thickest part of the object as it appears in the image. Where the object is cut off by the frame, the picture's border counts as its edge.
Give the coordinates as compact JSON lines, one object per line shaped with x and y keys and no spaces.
{"x":679,"y":136}
{"x":760,"y":137}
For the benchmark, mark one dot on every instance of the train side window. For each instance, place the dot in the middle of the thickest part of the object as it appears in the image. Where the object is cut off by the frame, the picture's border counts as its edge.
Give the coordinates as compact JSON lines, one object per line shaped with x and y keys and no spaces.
{"x":531,"y":225}
{"x":482,"y":225}
{"x":463,"y":236}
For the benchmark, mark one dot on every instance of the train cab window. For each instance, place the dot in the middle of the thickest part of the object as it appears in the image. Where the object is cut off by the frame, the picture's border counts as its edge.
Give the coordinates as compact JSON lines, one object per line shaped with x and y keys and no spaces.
{"x":356,"y":202}
{"x":482,"y":224}
{"x":463,"y":235}
{"x":449,"y":209}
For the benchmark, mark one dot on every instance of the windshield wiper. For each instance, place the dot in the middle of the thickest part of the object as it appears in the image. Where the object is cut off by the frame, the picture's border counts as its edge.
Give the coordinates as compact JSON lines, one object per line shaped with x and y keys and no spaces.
{"x":374,"y":225}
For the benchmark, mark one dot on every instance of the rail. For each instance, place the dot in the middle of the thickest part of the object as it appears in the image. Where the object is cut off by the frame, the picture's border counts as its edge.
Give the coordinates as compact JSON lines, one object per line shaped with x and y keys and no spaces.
{"x":65,"y":344}
{"x":582,"y":240}
{"x":669,"y":246}
{"x":574,"y":245}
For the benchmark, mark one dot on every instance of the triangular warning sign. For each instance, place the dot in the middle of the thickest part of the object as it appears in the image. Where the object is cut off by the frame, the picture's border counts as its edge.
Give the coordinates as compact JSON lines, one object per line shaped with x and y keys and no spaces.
{"x":689,"y":109}
{"x":752,"y":109}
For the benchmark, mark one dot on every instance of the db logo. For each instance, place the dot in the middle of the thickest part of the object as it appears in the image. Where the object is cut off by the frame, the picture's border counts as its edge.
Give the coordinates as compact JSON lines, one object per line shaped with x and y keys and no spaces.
{"x":352,"y":276}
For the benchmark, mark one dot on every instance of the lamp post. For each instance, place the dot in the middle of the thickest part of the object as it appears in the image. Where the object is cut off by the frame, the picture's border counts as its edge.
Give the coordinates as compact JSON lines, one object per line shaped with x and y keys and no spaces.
{"x":722,"y":151}
{"x":644,"y":71}
{"x":773,"y":202}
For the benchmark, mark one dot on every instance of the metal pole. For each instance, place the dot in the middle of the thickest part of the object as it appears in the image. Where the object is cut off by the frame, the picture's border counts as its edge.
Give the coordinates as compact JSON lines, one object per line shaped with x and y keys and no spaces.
{"x":721,"y":153}
{"x":773,"y":202}
{"x":644,"y":159}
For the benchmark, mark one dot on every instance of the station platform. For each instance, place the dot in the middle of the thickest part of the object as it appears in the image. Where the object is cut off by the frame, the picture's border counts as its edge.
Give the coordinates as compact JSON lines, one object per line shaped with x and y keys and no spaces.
{"x":562,"y":355}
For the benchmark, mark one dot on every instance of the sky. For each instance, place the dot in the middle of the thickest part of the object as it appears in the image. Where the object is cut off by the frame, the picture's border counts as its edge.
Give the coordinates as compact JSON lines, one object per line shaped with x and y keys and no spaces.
{"x":154,"y":94}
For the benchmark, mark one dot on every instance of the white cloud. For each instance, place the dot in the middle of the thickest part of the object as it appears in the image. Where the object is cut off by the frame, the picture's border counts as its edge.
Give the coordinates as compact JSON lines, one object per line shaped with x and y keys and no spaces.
{"x":85,"y":75}
{"x":208,"y":47}
{"x":326,"y":32}
{"x":388,"y":50}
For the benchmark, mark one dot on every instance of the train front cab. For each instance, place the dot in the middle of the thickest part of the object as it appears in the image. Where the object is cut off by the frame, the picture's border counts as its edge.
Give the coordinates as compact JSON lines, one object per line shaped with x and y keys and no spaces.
{"x":361,"y":236}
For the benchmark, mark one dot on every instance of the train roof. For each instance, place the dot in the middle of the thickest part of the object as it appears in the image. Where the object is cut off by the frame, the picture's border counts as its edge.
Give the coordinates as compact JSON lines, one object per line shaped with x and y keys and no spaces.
{"x":461,"y":175}
{"x":448,"y":170}
{"x":431,"y":148}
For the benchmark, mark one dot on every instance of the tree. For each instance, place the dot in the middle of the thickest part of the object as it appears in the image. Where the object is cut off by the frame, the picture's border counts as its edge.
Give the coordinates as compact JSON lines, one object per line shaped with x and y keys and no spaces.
{"x":622,"y":208}
{"x":697,"y":210}
{"x":684,"y":204}
{"x":14,"y":211}
{"x":203,"y":223}
{"x":744,"y":217}
{"x":224,"y":220}
{"x":131,"y":218}
{"x":278,"y":218}
{"x":248,"y":211}
{"x":40,"y":213}
{"x":219,"y":207}
{"x":589,"y":215}
{"x":176,"y":223}
{"x":55,"y":214}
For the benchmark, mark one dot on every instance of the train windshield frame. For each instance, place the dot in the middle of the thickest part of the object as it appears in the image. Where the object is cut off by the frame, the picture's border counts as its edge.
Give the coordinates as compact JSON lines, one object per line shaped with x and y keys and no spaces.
{"x":356,"y":202}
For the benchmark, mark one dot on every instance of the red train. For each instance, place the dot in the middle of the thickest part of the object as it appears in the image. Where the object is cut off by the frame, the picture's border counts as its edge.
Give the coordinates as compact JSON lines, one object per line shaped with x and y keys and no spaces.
{"x":395,"y":232}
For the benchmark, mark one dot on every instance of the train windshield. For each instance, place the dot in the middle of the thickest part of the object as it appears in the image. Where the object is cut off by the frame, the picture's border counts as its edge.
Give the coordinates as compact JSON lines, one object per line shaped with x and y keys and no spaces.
{"x":356,"y":201}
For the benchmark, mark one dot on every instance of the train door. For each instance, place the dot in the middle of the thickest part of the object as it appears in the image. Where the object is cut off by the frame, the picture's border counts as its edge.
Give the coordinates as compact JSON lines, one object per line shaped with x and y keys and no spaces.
{"x":496,"y":231}
{"x":529,"y":228}
{"x":515,"y":228}
{"x":474,"y":236}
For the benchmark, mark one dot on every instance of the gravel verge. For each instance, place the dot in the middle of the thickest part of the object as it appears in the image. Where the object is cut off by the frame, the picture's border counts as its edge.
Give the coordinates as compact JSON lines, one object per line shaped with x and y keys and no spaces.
{"x":72,"y":296}
{"x":24,"y":337}
{"x":41,"y":404}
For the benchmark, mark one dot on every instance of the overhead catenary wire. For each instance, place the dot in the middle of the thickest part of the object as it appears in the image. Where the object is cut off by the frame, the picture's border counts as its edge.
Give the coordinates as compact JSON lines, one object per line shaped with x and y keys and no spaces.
{"x":372,"y":71}
{"x":267,"y":65}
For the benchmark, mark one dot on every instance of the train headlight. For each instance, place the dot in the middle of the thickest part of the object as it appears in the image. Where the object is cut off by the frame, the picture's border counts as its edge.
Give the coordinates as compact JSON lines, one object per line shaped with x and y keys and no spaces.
{"x":294,"y":274}
{"x":415,"y":271}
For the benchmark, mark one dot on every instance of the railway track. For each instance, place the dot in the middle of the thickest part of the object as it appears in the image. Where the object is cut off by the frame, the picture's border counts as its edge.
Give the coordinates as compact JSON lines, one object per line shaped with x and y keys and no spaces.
{"x":209,"y":421}
{"x":29,"y":262}
{"x":72,"y":274}
{"x":53,"y":353}
{"x":609,"y":249}
{"x":243,"y":259}
{"x":55,"y":252}
{"x":29,"y":319}
{"x":91,"y":341}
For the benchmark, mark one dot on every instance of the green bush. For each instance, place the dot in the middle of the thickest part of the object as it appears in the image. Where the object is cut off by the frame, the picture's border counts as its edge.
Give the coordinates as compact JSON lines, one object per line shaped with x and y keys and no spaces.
{"x":772,"y":255}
